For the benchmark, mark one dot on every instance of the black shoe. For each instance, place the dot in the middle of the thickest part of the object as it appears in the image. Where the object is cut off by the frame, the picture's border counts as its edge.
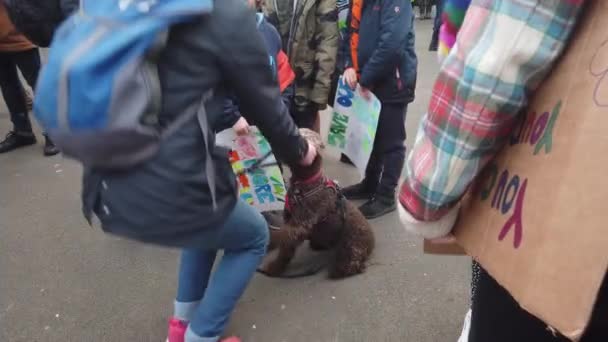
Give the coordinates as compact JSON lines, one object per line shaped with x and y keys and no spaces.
{"x":14,"y":140}
{"x":434,"y":44}
{"x":359,"y":191}
{"x":378,"y":206}
{"x":344,"y":159}
{"x":49,"y":148}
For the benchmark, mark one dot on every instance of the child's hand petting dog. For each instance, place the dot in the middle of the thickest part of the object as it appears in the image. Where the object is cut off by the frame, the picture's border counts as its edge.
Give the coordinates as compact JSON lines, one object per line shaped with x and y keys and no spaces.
{"x":310,"y":156}
{"x":314,"y":145}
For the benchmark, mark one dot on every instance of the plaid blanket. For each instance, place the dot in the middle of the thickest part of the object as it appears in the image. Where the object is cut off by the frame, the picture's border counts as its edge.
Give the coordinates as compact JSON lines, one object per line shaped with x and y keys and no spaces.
{"x":503,"y":51}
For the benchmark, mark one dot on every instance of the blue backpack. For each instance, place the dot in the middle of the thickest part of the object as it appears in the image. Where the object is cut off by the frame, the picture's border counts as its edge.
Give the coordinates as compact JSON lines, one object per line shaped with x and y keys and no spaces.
{"x":99,"y":95}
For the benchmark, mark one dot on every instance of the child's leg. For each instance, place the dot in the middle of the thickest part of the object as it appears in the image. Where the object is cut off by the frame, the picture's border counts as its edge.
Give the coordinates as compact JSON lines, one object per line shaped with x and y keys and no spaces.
{"x":194,"y":271}
{"x":389,"y":151}
{"x":28,"y":63}
{"x":366,"y":189}
{"x":243,"y":237}
{"x":13,"y":94}
{"x":391,"y":130}
{"x":374,"y":168}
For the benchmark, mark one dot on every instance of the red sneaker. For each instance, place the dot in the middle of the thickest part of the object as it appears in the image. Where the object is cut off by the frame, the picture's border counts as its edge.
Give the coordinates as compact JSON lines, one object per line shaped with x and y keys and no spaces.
{"x":177,"y":330}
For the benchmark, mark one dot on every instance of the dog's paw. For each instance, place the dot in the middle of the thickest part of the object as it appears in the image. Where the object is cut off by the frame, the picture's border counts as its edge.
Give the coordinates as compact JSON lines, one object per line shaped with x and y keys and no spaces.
{"x":349,"y":270}
{"x":274,"y":268}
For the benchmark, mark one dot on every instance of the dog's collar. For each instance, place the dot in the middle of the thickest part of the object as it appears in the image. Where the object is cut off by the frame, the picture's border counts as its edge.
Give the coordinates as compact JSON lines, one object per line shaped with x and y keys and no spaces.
{"x":325,"y":183}
{"x":312,"y":179}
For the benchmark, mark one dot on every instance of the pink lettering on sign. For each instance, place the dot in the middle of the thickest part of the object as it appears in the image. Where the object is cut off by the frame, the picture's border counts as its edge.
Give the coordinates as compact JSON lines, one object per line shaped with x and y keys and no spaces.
{"x":598,"y":68}
{"x":514,"y":221}
{"x":509,"y":193}
{"x":247,"y":147}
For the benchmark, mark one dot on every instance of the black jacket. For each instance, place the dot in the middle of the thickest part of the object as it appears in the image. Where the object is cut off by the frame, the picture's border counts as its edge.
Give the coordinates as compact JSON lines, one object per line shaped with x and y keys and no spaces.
{"x":167,"y":199}
{"x":272,"y":41}
{"x":38,"y":19}
{"x":386,"y":52}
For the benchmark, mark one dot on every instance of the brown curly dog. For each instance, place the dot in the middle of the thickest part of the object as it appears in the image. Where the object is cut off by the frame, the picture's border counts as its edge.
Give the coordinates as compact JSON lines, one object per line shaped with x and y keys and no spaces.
{"x":315,"y":210}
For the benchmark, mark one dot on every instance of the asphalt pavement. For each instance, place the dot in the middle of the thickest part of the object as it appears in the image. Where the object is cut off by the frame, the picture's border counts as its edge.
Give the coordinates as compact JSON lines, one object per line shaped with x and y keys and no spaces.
{"x":61,"y":280}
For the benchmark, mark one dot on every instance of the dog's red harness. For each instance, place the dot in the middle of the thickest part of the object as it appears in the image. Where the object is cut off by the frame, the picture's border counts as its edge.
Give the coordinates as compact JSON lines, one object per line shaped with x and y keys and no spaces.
{"x":327,"y":183}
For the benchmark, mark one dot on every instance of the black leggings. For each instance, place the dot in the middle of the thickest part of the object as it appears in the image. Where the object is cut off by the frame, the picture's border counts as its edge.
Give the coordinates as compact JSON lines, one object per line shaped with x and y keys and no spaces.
{"x":28,"y":63}
{"x":498,"y":318}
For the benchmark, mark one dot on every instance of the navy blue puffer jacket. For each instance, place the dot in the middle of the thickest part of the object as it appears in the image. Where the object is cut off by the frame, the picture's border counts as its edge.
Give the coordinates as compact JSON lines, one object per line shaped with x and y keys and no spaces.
{"x":386,"y":52}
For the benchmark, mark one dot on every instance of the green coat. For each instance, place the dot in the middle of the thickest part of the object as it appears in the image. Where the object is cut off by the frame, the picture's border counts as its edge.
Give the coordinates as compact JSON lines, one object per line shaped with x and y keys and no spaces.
{"x":311,"y":46}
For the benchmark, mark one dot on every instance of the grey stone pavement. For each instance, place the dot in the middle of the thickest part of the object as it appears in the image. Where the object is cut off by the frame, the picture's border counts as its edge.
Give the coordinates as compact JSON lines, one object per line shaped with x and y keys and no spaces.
{"x":61,"y":280}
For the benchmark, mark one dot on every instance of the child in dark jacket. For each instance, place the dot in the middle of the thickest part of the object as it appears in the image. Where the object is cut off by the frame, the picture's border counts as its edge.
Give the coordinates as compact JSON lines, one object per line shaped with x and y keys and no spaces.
{"x":283,"y":74}
{"x":382,"y":59}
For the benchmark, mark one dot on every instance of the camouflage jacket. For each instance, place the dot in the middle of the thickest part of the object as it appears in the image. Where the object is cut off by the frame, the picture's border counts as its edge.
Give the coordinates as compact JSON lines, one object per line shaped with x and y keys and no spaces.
{"x":311,"y":43}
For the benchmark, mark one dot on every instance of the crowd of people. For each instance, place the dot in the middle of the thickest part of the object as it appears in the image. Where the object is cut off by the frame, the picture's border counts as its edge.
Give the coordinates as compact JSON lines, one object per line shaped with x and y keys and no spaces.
{"x":278,"y":71}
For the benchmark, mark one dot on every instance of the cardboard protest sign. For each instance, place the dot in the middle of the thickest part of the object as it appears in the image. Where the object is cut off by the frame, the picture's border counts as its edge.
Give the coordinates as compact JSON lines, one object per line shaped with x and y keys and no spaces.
{"x":353,"y":125}
{"x":537,"y":218}
{"x":264,"y":187}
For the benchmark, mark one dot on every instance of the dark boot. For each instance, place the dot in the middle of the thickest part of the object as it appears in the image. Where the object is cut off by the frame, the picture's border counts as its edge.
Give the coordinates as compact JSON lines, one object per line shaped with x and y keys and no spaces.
{"x":49,"y":148}
{"x":360,"y":191}
{"x":378,"y":206}
{"x":15,"y":140}
{"x":434,"y":45}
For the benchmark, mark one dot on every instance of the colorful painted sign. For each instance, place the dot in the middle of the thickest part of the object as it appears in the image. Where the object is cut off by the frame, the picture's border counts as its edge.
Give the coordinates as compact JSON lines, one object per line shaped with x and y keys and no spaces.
{"x":263,"y":187}
{"x":353,"y":125}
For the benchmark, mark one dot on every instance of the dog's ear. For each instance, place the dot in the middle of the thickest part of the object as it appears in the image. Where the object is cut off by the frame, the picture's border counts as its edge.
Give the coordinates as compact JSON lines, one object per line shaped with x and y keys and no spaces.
{"x":312,"y":137}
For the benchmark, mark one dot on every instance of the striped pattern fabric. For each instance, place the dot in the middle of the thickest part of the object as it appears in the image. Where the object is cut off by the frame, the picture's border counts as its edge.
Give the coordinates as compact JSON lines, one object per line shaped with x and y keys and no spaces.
{"x":503,"y":51}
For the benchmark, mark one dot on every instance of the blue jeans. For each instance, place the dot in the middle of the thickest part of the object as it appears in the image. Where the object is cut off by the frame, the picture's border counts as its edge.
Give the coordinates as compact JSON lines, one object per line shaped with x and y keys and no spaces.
{"x":243,"y":237}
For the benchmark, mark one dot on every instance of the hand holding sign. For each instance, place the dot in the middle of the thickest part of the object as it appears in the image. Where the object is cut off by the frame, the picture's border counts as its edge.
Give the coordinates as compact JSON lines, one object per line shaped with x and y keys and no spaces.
{"x":261,"y":186}
{"x":354,"y":121}
{"x":350,"y":76}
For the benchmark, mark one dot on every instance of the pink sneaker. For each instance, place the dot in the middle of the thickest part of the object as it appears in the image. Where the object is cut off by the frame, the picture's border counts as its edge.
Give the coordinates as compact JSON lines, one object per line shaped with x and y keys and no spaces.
{"x":231,"y":339}
{"x":177,"y":330}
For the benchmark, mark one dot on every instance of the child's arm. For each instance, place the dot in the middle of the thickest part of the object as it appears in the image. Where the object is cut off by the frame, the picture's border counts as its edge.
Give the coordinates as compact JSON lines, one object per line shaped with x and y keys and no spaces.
{"x":284,"y":71}
{"x":287,"y":96}
{"x":470,"y":118}
{"x":243,"y":61}
{"x":396,"y":19}
{"x":230,"y":116}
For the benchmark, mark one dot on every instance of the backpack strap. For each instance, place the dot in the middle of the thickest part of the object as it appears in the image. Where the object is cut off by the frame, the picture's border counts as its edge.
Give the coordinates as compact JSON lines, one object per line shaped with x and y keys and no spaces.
{"x":201,"y":114}
{"x":150,"y":67}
